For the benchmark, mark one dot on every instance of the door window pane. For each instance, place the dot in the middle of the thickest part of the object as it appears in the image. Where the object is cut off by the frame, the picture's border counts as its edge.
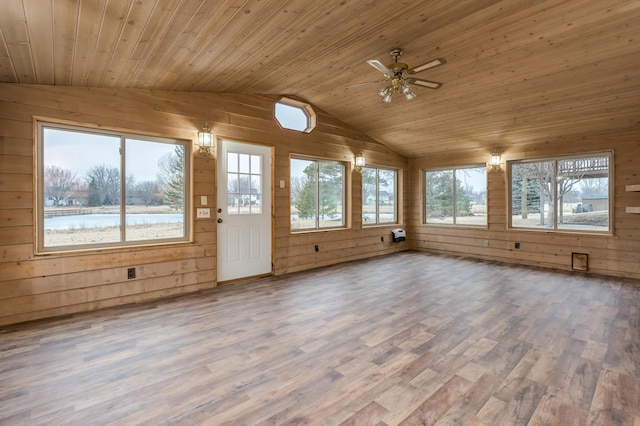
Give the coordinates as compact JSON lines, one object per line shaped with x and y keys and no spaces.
{"x":244,"y":187}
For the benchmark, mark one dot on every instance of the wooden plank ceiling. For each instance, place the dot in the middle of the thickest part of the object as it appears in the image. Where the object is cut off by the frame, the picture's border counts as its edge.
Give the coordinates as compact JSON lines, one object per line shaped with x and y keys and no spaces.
{"x":517,"y":71}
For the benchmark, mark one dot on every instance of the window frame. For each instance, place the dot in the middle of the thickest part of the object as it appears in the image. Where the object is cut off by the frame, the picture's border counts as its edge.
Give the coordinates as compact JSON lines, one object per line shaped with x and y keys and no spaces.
{"x":425,"y":220}
{"x":39,"y":191}
{"x":304,"y":107}
{"x":555,"y":159}
{"x":395,"y":192}
{"x":345,"y":208}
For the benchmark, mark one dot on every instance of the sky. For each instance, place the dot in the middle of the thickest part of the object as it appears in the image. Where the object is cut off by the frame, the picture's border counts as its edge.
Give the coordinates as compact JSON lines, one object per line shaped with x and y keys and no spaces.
{"x":78,"y":151}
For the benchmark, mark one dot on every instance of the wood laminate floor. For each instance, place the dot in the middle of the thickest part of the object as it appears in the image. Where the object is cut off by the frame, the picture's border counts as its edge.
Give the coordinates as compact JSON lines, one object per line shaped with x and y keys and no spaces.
{"x":409,"y":338}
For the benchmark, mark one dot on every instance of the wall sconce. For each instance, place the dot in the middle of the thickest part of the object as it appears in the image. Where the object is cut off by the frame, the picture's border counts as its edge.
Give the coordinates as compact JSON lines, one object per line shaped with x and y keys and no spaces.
{"x":494,"y":161}
{"x":360,"y":162}
{"x":205,"y":140}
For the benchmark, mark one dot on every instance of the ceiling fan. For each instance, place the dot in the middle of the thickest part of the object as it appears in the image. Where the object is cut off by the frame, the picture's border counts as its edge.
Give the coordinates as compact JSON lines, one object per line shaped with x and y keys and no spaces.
{"x":399,"y":76}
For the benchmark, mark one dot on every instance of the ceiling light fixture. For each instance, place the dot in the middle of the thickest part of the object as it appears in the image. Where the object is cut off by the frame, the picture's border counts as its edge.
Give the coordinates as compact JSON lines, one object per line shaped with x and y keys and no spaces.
{"x":397,"y":85}
{"x":399,"y":76}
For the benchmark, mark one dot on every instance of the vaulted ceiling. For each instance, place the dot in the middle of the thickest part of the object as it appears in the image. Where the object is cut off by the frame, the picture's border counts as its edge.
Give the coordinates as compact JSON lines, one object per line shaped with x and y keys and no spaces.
{"x":517,"y":71}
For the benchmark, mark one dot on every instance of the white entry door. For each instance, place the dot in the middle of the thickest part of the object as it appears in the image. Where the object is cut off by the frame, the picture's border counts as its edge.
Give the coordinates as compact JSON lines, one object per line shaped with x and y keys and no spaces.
{"x":244,"y":210}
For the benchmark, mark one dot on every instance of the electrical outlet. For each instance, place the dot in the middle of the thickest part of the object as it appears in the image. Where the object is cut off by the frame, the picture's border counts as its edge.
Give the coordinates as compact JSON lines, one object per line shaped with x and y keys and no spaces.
{"x":486,"y":243}
{"x":203,"y":213}
{"x":517,"y":245}
{"x":382,"y":239}
{"x":316,"y":247}
{"x":131,"y":273}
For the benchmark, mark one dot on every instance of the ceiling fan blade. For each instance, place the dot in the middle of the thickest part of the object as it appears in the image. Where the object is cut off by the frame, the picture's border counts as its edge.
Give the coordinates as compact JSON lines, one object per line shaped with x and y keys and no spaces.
{"x":366,"y":82}
{"x":431,"y":64}
{"x":380,"y":67}
{"x":424,"y":83}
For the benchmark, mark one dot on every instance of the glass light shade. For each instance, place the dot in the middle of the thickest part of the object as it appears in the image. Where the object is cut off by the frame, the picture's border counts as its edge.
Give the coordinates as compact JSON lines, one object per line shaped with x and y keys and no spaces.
{"x":494,"y":161}
{"x":360,"y":161}
{"x":205,"y":140}
{"x":409,"y":95}
{"x":386,"y":98}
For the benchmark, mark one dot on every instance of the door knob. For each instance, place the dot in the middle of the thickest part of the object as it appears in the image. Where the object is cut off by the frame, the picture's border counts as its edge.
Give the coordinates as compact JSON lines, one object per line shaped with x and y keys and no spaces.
{"x":219,"y":220}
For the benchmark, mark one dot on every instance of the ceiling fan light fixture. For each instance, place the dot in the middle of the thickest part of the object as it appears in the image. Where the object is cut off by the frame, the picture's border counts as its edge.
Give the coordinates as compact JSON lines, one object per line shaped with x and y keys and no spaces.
{"x":398,"y":76}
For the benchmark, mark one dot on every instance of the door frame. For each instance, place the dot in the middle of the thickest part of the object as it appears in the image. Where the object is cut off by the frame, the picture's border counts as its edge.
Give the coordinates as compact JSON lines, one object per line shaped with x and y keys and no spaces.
{"x":217,"y":151}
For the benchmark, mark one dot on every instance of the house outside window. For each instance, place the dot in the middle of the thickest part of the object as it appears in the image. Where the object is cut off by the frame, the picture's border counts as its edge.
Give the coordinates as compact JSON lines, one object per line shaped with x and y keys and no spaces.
{"x":561,"y":194}
{"x":456,"y":196}
{"x":379,"y":192}
{"x":317,"y":194}
{"x":98,"y":188}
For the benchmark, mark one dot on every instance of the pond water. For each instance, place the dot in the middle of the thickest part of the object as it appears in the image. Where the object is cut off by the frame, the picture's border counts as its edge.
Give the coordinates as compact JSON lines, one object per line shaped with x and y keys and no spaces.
{"x":107,"y":220}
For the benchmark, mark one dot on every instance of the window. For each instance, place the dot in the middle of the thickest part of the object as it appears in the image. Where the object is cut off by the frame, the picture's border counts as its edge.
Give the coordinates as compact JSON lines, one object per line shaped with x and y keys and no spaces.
{"x":569,"y":193}
{"x":295,"y":115}
{"x":244,"y":183}
{"x":107,"y":189}
{"x":317,"y":194}
{"x":456,"y":196}
{"x":378,"y":196}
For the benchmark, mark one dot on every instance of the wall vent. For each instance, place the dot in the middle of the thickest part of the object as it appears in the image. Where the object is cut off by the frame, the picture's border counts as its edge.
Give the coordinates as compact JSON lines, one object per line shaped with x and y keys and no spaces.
{"x":580,"y":261}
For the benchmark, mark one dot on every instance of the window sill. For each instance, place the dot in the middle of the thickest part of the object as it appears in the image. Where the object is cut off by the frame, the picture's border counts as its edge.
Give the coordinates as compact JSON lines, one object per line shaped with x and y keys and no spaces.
{"x":121,"y":248}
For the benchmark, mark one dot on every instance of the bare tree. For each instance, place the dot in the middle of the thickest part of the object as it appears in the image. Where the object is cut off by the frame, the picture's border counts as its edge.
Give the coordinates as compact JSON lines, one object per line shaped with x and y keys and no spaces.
{"x":59,"y":183}
{"x":566,"y":180}
{"x":105,"y":182}
{"x":148,"y":191}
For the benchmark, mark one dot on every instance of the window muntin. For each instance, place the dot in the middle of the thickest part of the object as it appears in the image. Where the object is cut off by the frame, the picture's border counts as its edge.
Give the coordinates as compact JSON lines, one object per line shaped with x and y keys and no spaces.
{"x":566,"y":194}
{"x":379,"y":196}
{"x":244,"y":183}
{"x":462,"y":203}
{"x":83,"y":201}
{"x":295,"y":115}
{"x":317,"y":194}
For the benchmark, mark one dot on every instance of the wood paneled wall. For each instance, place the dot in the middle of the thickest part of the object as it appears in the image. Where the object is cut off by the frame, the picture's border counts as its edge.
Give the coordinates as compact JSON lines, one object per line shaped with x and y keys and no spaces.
{"x":617,"y":254}
{"x":33,"y":287}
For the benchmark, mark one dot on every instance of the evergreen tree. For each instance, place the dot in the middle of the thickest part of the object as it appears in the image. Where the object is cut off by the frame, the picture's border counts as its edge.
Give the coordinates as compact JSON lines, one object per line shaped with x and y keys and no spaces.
{"x":440,"y":195}
{"x":330,"y":188}
{"x":524,"y":199}
{"x":322,"y":190}
{"x":93,"y":197}
{"x":306,"y":204}
{"x":171,"y":175}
